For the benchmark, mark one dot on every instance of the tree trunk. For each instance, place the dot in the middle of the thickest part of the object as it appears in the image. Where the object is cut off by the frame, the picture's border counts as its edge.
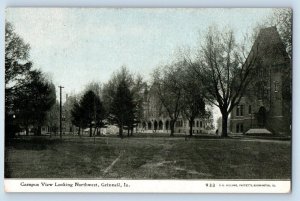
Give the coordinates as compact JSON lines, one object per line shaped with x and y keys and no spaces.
{"x":128,"y":130}
{"x":131,"y":131}
{"x":79,"y":132}
{"x":121,"y":131}
{"x":39,"y":131}
{"x":95,"y":131}
{"x":191,"y":127}
{"x":224,"y":124}
{"x":91,"y":132}
{"x":172,"y":125}
{"x":27,"y":131}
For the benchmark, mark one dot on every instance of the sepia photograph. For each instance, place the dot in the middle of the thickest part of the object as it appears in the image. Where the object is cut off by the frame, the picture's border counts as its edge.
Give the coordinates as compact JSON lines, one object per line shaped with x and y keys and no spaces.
{"x":148,"y":94}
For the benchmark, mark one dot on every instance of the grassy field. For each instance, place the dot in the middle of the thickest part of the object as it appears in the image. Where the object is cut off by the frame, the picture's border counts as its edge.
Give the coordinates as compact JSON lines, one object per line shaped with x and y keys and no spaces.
{"x":148,"y":158}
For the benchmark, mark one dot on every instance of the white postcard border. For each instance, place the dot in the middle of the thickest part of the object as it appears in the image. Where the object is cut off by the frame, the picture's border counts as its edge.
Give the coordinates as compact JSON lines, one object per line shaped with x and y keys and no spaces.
{"x":148,"y":186}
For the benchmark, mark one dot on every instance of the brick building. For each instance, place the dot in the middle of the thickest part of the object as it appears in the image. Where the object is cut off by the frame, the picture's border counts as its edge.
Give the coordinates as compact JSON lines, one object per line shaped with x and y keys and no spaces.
{"x":155,"y":118}
{"x":267,"y":100}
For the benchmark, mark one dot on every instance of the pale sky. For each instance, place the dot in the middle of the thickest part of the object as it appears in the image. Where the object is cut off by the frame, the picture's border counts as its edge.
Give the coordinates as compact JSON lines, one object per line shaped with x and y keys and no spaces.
{"x":79,"y":45}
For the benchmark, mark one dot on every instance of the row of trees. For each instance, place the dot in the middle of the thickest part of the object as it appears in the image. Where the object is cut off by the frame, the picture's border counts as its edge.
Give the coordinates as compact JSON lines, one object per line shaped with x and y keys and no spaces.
{"x":217,"y":75}
{"x":123,"y":98}
{"x":29,"y":94}
{"x":89,"y":112}
{"x":179,"y":94}
{"x":121,"y":105}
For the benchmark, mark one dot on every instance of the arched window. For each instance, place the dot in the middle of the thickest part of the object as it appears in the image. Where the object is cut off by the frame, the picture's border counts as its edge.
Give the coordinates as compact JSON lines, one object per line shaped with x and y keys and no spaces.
{"x":149,"y":125}
{"x":160,"y":125}
{"x":155,"y":125}
{"x":167,"y":125}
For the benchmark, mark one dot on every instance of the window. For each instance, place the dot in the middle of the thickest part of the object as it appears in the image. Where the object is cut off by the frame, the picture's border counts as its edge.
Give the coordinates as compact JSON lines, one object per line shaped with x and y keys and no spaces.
{"x":200,"y":124}
{"x":239,"y":128}
{"x":197,"y":123}
{"x":249,"y":109}
{"x":178,"y":124}
{"x":240,"y":110}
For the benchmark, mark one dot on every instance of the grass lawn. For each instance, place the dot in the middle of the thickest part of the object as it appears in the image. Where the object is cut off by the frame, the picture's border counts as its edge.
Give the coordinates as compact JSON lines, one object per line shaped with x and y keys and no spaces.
{"x":148,"y":158}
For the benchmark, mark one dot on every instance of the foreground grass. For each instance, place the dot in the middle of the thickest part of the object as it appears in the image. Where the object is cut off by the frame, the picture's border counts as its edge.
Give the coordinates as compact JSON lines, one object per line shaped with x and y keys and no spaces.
{"x":148,"y":158}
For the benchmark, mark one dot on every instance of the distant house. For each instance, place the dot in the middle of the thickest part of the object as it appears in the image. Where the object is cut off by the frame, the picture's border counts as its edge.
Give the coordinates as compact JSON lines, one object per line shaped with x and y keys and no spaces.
{"x":267,"y":100}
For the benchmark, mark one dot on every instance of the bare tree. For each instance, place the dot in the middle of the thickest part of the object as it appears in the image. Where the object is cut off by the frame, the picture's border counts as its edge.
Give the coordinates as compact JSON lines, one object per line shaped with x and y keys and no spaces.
{"x":137,"y":91}
{"x":193,"y":99}
{"x":221,"y":68}
{"x":169,"y":91}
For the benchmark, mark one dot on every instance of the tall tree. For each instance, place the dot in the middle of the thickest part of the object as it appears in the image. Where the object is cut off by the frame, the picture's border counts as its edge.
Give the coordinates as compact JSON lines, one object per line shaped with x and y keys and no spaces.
{"x":122,"y":111}
{"x":28,"y":94}
{"x":167,"y":86}
{"x":194,"y":106}
{"x":110,"y":88}
{"x":136,"y":86}
{"x":34,"y":100}
{"x":193,"y":98}
{"x":17,"y":66}
{"x":92,"y":111}
{"x":76,"y":114}
{"x":137,"y":91}
{"x":67,"y":111}
{"x":223,"y":72}
{"x":53,"y":118}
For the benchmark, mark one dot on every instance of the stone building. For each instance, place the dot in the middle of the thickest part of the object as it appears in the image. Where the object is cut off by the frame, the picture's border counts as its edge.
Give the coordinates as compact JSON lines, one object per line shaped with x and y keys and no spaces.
{"x":267,"y":100}
{"x":156,"y":120}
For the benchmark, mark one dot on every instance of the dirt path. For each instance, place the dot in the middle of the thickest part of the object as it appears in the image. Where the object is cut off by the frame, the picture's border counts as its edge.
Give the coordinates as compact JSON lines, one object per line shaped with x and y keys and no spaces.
{"x":113,"y":163}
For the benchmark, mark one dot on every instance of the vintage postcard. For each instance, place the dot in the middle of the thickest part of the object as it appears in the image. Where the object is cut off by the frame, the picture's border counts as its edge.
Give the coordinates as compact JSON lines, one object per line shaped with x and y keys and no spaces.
{"x":168,"y":100}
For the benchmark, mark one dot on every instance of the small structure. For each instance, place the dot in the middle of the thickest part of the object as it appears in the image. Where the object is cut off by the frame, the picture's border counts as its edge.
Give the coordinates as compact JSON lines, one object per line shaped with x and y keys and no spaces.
{"x":258,"y":131}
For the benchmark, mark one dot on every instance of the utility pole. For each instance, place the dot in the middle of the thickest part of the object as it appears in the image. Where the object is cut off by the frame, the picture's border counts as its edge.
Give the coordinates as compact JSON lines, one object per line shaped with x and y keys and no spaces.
{"x":60,"y":111}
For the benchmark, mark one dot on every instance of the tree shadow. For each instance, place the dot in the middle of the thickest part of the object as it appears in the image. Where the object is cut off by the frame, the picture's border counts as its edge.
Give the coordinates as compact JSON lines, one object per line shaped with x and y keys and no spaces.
{"x":32,"y":143}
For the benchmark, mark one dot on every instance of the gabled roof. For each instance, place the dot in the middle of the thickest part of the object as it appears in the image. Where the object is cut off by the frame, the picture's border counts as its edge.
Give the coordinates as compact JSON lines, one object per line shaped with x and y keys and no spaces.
{"x":269,"y":46}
